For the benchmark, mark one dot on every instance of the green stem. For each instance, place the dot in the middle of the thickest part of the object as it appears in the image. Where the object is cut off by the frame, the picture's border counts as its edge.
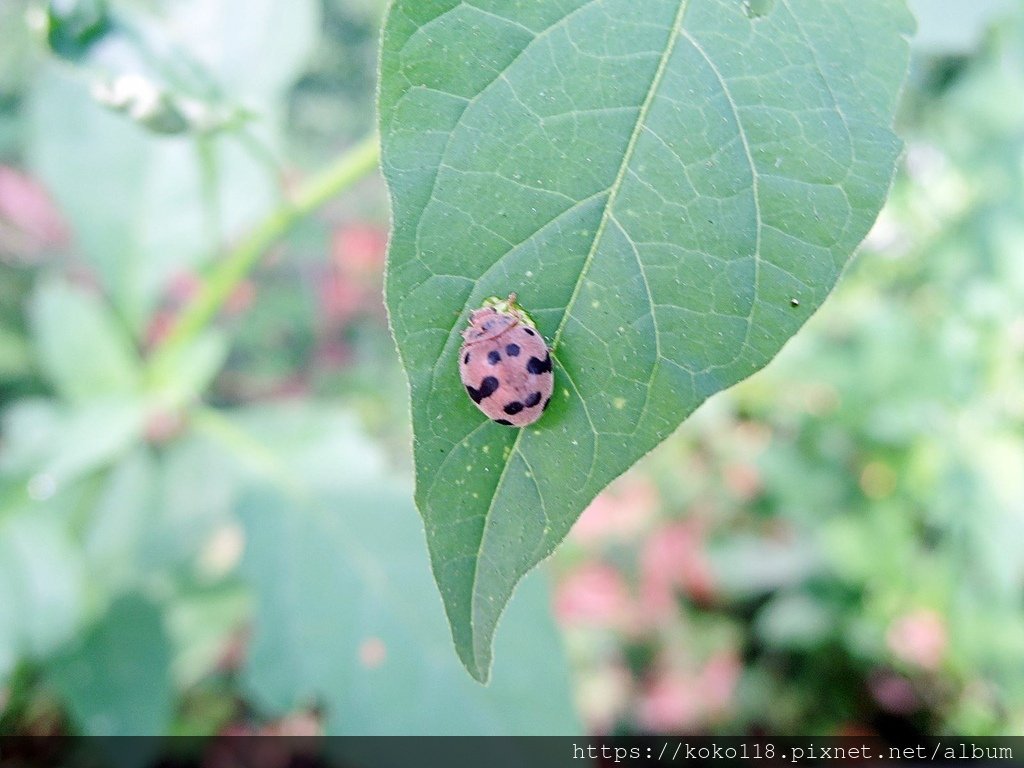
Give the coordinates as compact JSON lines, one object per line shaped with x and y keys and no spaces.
{"x":361,"y":160}
{"x":208,"y":178}
{"x":247,"y":448}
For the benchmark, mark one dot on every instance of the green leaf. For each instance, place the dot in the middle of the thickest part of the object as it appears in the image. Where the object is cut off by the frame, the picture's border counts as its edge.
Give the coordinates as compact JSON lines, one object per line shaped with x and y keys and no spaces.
{"x":346,"y":615}
{"x":15,"y":355}
{"x":82,"y":350}
{"x":123,"y":513}
{"x":146,"y":208}
{"x":658,"y":181}
{"x":182,"y":375}
{"x":345,"y":612}
{"x":41,"y":585}
{"x":72,"y":28}
{"x":135,"y":201}
{"x":59,"y":444}
{"x":116,"y":681}
{"x":201,"y":623}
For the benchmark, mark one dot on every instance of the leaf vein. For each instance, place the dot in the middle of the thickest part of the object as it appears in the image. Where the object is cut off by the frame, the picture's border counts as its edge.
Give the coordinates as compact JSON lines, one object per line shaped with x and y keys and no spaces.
{"x":754,"y":190}
{"x":627,"y":157}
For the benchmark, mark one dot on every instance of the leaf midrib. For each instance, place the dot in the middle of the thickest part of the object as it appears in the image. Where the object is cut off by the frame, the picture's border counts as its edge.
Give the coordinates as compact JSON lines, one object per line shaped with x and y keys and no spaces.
{"x":606,"y":214}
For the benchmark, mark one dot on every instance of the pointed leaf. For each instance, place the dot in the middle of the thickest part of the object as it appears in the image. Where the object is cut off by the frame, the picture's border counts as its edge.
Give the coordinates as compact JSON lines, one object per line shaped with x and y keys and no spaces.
{"x":41,"y":584}
{"x":116,"y":679}
{"x":83,"y":351}
{"x":345,"y":613}
{"x":672,"y":187}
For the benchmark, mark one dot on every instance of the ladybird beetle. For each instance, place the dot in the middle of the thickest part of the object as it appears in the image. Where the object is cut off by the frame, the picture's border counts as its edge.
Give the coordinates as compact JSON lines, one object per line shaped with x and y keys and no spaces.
{"x":505,"y":363}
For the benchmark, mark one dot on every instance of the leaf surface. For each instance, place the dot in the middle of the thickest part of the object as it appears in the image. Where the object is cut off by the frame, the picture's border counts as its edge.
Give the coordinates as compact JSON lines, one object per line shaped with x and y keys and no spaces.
{"x":84,"y":353}
{"x":345,"y":614}
{"x":672,"y":187}
{"x":116,"y":680}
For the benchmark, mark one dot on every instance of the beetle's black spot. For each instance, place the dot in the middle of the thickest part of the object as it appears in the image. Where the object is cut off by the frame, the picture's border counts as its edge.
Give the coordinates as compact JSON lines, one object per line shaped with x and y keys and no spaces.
{"x":546,"y":404}
{"x":506,"y":422}
{"x":465,"y":360}
{"x":487,"y":388}
{"x":529,"y":331}
{"x":513,"y":408}
{"x":487,"y":326}
{"x":493,"y":357}
{"x":512,"y":350}
{"x":532,"y":400}
{"x":539,"y":366}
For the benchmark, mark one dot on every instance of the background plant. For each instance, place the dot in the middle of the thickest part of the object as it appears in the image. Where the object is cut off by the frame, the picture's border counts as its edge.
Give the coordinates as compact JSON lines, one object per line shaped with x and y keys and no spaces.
{"x":205,"y":524}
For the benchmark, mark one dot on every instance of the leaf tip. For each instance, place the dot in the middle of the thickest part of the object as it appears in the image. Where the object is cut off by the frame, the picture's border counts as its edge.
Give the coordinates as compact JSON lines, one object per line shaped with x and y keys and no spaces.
{"x":475,"y":659}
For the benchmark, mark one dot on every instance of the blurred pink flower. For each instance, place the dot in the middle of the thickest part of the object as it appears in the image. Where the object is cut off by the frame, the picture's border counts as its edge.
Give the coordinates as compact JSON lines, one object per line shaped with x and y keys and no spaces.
{"x":670,"y":703}
{"x":372,"y":652}
{"x":235,"y":649}
{"x":351,"y":285}
{"x":595,"y":594}
{"x":160,"y":325}
{"x":681,"y":701}
{"x":673,"y":560}
{"x":742,"y":479}
{"x":359,"y":248}
{"x":893,"y":693}
{"x":296,"y":724}
{"x":294,"y":386}
{"x":334,"y":353}
{"x":183,"y":286}
{"x":163,"y":425}
{"x":918,"y":638}
{"x":241,"y":298}
{"x":717,"y":682}
{"x":619,"y":513}
{"x":29,"y":221}
{"x":340,"y":298}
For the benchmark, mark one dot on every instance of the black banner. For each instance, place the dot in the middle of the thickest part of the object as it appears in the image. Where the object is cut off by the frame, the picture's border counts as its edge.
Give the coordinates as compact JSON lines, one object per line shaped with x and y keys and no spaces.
{"x":500,"y":752}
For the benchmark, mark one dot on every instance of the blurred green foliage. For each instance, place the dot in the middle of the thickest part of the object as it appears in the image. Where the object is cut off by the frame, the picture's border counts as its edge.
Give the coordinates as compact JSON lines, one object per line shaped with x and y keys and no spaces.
{"x":206,"y":538}
{"x":841,"y":535}
{"x":228,"y":543}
